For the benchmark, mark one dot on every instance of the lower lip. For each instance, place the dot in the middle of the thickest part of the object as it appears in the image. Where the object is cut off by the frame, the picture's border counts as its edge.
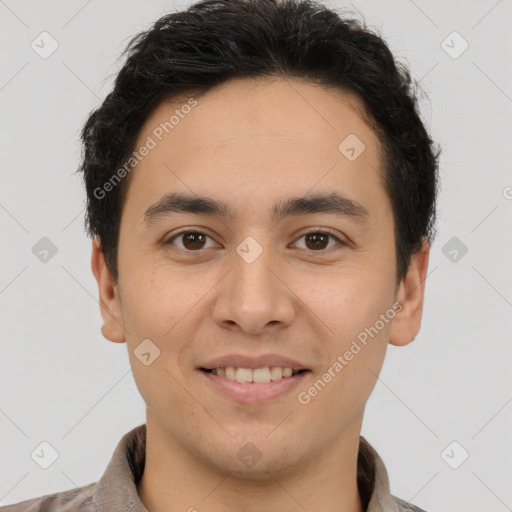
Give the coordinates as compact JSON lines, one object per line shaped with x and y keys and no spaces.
{"x":253,"y":392}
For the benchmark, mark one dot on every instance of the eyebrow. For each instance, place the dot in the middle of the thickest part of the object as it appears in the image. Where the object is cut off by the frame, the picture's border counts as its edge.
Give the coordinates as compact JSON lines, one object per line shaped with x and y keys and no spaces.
{"x":317,"y":203}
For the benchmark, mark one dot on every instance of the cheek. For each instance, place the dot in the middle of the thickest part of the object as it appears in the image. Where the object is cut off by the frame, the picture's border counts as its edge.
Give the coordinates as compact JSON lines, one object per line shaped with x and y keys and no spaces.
{"x":347,"y":300}
{"x":153,"y":316}
{"x":355,"y":360}
{"x":358,"y":310}
{"x":157,"y":300}
{"x":156,"y":312}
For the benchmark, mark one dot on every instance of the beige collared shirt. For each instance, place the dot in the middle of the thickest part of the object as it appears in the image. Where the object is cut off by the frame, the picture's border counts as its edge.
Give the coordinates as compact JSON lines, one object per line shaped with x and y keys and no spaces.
{"x":116,"y":490}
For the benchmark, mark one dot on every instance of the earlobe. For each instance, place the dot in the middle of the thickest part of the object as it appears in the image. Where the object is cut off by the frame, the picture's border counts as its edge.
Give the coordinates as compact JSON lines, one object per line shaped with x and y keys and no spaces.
{"x":110,"y":306}
{"x":411,"y":294}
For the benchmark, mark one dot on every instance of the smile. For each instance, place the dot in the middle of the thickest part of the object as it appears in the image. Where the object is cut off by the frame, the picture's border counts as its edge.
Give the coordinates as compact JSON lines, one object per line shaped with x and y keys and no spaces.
{"x":252,"y":386}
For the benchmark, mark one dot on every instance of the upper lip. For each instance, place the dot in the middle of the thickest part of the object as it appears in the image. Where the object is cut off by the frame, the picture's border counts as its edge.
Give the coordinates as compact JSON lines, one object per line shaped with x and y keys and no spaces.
{"x":247,"y":361}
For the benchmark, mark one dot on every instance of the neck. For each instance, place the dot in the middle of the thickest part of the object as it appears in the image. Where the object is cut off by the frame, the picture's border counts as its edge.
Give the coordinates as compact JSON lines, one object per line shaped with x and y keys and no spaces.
{"x":176,"y":480}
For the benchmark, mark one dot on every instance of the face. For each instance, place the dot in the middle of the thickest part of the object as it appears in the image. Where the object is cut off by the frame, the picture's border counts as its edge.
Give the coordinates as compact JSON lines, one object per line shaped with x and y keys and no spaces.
{"x":242,"y":286}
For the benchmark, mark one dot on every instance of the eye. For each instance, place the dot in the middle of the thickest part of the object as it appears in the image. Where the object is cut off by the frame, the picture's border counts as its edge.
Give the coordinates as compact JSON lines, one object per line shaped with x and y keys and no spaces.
{"x":192,"y":240}
{"x":318,"y":239}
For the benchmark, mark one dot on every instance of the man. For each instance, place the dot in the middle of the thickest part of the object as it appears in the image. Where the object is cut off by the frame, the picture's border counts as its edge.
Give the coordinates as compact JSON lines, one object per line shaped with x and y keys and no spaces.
{"x":261,"y":193}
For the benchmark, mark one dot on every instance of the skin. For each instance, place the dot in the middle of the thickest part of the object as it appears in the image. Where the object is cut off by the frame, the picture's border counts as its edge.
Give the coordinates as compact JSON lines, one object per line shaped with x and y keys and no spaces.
{"x":252,"y":143}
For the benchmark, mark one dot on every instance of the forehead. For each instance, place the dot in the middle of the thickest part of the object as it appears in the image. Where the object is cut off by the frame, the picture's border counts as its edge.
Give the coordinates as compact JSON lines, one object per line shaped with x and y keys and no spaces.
{"x":248,"y":134}
{"x":276,"y":108}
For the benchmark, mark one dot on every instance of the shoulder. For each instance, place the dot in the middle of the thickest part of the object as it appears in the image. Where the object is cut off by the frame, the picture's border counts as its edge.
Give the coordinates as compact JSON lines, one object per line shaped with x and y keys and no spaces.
{"x":32,"y":505}
{"x":76,"y":500}
{"x":405,"y":506}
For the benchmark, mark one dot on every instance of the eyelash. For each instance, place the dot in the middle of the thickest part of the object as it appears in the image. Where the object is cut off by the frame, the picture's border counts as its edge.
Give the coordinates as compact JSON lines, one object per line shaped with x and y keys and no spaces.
{"x":315,"y":231}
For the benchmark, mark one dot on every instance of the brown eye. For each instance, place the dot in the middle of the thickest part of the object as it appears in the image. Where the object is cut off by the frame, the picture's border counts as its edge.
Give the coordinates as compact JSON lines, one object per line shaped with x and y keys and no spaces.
{"x":318,"y":241}
{"x":191,"y":240}
{"x":195,"y":241}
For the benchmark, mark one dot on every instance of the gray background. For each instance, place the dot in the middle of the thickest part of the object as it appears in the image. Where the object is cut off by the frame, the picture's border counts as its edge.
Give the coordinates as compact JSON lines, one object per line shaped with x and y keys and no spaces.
{"x":62,"y":382}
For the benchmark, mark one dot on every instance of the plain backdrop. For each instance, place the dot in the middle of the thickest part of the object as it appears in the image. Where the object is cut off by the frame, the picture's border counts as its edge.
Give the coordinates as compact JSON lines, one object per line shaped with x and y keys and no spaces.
{"x":63,"y":383}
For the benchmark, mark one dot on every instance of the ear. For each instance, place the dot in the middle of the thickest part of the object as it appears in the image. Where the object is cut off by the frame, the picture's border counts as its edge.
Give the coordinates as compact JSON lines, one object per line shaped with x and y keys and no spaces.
{"x":110,"y":305}
{"x":407,"y":321}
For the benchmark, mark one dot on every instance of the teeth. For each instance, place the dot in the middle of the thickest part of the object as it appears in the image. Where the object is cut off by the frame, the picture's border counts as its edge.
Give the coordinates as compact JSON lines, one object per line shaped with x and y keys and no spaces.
{"x":276,"y":373}
{"x":243,"y":375}
{"x":261,"y":374}
{"x":257,"y":375}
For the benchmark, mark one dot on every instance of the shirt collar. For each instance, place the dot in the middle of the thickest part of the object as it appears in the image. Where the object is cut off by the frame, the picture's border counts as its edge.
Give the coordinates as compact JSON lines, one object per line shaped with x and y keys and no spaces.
{"x":116,"y":491}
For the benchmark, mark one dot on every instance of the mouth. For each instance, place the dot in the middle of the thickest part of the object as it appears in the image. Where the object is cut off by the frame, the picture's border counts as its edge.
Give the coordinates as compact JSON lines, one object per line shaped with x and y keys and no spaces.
{"x":255,"y":376}
{"x":253,"y":386}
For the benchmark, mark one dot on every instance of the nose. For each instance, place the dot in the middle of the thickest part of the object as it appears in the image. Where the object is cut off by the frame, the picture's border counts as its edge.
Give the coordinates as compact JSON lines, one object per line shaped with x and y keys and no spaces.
{"x":254,"y":296}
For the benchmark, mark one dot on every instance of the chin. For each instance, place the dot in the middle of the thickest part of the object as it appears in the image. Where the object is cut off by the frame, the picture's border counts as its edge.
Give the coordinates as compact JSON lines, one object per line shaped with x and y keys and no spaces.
{"x":263,"y":471}
{"x":254,"y":460}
